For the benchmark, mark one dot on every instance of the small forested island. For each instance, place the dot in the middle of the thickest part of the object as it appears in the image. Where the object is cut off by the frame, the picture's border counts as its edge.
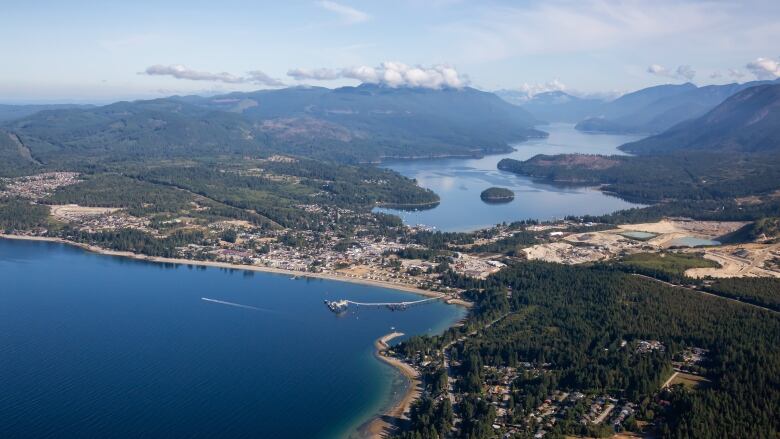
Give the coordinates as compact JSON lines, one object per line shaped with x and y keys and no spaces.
{"x":497,"y":195}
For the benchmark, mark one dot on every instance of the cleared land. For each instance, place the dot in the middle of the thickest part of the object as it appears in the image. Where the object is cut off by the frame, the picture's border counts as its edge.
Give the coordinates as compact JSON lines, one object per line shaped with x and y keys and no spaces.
{"x":689,"y":381}
{"x":745,"y":260}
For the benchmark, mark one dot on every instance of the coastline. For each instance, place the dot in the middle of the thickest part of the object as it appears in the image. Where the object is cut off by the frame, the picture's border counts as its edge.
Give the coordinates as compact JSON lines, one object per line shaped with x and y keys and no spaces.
{"x":379,"y":426}
{"x":384,"y":424}
{"x":257,"y":268}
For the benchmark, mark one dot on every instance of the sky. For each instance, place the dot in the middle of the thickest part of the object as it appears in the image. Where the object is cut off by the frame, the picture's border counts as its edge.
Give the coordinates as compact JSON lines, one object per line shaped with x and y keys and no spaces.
{"x":102,"y":51}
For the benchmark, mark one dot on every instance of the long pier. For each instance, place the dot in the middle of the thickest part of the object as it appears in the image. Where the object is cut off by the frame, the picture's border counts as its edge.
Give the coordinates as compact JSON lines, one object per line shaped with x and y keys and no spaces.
{"x":339,"y":306}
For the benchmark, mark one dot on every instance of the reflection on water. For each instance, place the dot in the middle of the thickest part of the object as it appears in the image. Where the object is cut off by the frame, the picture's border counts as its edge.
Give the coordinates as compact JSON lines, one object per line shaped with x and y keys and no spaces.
{"x":459,"y":183}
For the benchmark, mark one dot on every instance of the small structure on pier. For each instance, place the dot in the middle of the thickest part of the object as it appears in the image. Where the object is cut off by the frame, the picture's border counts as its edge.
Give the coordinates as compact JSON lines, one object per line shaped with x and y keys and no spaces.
{"x":340,"y":306}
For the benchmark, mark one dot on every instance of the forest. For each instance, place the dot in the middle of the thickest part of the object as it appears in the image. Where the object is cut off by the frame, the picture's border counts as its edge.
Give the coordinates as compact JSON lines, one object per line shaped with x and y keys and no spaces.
{"x":21,"y":215}
{"x":570,"y":322}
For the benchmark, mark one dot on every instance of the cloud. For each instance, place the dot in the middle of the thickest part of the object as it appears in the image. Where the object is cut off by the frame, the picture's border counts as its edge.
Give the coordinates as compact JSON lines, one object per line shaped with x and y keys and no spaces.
{"x":730,"y":73}
{"x":682,"y":72}
{"x":391,"y":74}
{"x":316,"y":74}
{"x":348,"y":14}
{"x":532,"y":90}
{"x":258,"y":77}
{"x":764,"y":68}
{"x":179,"y":71}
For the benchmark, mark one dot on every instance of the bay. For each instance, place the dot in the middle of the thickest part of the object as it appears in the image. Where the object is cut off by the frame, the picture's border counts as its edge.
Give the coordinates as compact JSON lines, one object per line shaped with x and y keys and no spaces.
{"x":99,"y":346}
{"x":459,"y":182}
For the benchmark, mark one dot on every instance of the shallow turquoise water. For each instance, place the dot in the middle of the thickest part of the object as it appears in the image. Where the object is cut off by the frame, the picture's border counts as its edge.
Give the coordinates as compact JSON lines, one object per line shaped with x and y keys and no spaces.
{"x":690,"y":241}
{"x":459,"y":182}
{"x":97,"y":346}
{"x":639,"y":235}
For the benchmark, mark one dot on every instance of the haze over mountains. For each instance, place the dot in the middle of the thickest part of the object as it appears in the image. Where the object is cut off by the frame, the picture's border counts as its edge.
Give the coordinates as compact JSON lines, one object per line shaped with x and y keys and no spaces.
{"x":647,"y":111}
{"x":747,"y":122}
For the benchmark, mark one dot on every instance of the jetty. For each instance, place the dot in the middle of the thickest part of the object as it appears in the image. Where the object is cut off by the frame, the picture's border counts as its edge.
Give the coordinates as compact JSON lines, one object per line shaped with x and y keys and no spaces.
{"x":340,"y":306}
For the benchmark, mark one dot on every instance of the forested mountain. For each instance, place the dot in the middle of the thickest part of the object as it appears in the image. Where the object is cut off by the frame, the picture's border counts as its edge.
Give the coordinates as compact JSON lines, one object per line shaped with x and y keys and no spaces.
{"x":699,"y":168}
{"x":11,"y":112}
{"x":655,"y":109}
{"x":749,"y":121}
{"x":556,"y":106}
{"x":349,"y":124}
{"x":446,"y":121}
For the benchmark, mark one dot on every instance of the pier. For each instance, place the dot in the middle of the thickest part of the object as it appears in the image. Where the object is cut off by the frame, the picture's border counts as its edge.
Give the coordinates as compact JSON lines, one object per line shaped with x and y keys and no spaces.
{"x":339,"y":306}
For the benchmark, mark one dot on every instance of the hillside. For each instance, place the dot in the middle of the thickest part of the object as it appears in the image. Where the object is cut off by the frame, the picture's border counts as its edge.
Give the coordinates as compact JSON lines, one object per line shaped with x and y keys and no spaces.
{"x":655,"y":109}
{"x":749,"y":121}
{"x":701,"y":167}
{"x":460,"y":120}
{"x":350,"y":124}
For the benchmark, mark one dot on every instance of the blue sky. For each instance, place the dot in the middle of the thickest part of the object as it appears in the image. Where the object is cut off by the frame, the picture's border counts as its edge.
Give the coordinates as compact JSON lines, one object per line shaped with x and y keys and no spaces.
{"x":106,"y":50}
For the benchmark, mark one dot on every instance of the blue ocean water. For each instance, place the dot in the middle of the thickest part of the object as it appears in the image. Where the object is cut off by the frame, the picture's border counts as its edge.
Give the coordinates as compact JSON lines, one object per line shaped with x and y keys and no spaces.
{"x":98,"y":346}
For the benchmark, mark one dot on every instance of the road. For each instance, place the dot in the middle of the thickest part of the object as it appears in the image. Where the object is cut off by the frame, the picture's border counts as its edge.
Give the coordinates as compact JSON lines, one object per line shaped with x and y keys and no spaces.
{"x":445,"y":354}
{"x":666,"y":384}
{"x":706,"y":293}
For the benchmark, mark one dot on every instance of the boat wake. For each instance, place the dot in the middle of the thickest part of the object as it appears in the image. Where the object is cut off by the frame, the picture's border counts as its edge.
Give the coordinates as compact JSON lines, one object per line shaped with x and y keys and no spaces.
{"x":237,"y":305}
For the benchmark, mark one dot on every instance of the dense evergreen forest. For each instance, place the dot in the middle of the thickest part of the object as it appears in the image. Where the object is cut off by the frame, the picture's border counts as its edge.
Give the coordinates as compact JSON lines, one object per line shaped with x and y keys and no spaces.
{"x":651,"y":179}
{"x":758,"y":290}
{"x":571,"y":321}
{"x":21,"y":215}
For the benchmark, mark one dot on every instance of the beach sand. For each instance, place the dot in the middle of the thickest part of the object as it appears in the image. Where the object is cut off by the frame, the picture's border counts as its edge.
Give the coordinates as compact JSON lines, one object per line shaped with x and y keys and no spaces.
{"x":386,"y":424}
{"x":259,"y":268}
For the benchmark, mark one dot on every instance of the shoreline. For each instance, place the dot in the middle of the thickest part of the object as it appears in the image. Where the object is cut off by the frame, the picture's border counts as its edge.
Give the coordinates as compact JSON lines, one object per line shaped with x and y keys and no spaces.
{"x":228,"y":265}
{"x":385,"y":423}
{"x":379,"y":425}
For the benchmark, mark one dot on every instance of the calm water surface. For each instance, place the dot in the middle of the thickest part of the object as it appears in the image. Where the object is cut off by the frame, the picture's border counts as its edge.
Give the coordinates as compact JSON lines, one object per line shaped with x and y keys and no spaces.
{"x":460,"y":181}
{"x":96,"y":346}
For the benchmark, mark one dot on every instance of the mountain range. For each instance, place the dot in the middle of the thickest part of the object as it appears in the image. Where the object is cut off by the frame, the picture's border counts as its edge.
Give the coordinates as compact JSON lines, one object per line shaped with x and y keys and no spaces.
{"x":367,"y":123}
{"x":650,"y":110}
{"x":747,"y":122}
{"x":554,"y":106}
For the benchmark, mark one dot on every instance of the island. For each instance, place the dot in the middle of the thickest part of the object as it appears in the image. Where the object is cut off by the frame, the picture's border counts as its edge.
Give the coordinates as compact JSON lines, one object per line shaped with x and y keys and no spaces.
{"x":497,"y":195}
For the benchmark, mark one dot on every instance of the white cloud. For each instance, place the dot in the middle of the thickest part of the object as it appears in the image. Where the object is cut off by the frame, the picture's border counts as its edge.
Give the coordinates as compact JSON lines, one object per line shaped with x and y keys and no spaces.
{"x":391,"y":74}
{"x":730,"y":73}
{"x":179,"y":71}
{"x":532,"y":90}
{"x":348,"y":14}
{"x":316,"y":74}
{"x":764,"y":68}
{"x":685,"y":72}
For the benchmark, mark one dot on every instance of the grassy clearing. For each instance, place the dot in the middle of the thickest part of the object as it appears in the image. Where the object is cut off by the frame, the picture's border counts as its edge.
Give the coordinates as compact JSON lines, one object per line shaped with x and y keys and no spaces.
{"x":667,"y":266}
{"x":692,"y":382}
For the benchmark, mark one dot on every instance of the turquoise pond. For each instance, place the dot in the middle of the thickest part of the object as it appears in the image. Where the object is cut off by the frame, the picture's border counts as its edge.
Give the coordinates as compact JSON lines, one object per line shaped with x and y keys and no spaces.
{"x":689,"y":241}
{"x":99,"y":346}
{"x":642,"y":236}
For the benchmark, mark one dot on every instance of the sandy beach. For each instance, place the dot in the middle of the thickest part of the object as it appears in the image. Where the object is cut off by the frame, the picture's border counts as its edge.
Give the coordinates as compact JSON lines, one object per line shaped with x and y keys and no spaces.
{"x":259,"y":268}
{"x":384,"y":425}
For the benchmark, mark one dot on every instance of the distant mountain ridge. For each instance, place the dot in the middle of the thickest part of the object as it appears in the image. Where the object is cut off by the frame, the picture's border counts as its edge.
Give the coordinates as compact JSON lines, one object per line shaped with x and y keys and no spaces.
{"x":555,"y":106}
{"x":747,"y":122}
{"x":11,"y":112}
{"x":655,"y":109}
{"x":349,"y":124}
